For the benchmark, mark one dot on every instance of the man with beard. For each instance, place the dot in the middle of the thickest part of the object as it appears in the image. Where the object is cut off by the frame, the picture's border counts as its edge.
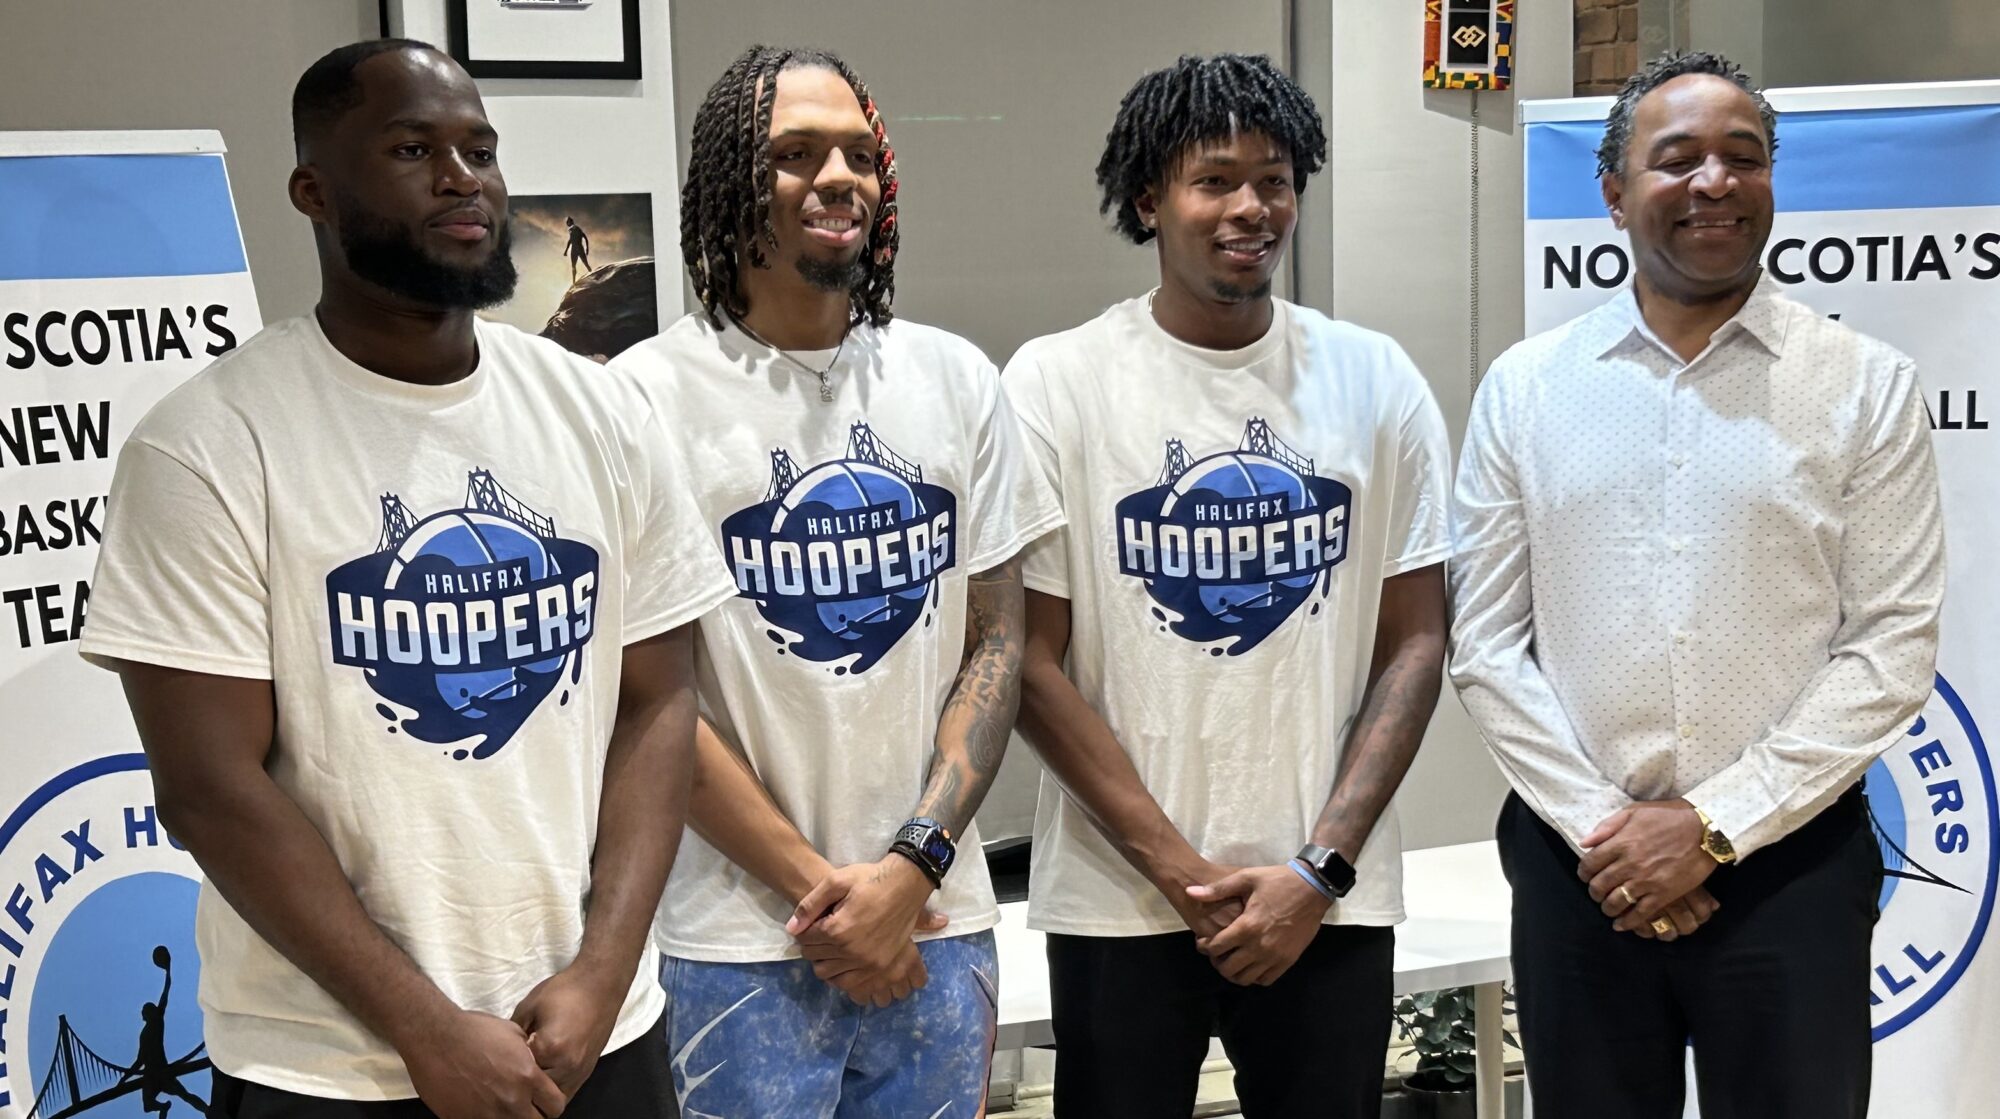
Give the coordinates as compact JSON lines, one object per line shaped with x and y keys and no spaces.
{"x":1235,"y":645}
{"x":350,"y":568}
{"x":1699,"y":563}
{"x":867,"y":485}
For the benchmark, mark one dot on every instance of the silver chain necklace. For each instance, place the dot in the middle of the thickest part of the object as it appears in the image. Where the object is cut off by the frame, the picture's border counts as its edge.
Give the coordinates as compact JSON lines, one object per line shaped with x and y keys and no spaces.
{"x":825,"y":386}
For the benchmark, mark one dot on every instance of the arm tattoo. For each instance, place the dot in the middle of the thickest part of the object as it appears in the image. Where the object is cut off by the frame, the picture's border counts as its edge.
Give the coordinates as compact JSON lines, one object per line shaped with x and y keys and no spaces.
{"x":1383,"y":742}
{"x":978,"y":716}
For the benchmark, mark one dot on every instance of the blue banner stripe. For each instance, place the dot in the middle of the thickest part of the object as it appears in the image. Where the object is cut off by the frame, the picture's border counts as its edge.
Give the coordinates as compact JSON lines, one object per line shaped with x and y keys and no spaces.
{"x":1848,"y":159}
{"x":105,"y":216}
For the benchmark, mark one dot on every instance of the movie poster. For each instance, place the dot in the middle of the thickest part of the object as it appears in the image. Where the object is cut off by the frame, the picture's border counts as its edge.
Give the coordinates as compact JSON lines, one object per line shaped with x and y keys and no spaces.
{"x":586,"y":263}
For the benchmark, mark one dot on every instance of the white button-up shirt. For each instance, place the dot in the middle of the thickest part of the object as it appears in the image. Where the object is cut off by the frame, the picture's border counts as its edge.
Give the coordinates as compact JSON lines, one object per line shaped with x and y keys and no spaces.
{"x":1716,"y":579}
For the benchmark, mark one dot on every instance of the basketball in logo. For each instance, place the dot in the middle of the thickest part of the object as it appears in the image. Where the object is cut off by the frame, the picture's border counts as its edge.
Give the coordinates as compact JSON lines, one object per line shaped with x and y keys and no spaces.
{"x":465,"y":621}
{"x":1241,"y":474}
{"x":840,"y":487}
{"x":97,"y":990}
{"x":464,"y":542}
{"x":1230,"y":545}
{"x":842,"y":558}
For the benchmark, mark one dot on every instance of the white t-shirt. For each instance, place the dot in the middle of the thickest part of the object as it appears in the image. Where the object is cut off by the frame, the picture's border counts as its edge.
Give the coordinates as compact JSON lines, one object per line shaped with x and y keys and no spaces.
{"x":438,"y":581}
{"x":851,"y":527}
{"x":1231,"y":518}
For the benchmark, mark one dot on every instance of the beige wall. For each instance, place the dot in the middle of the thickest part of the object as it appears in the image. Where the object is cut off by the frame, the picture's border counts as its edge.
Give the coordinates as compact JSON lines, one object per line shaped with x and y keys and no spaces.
{"x":1848,"y":42}
{"x":1386,"y":248}
{"x":222,"y":64}
{"x":1399,"y":258}
{"x":586,"y":137}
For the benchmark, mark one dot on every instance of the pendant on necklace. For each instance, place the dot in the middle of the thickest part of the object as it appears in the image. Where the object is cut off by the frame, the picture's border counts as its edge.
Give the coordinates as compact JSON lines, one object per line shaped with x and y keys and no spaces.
{"x":825,"y":390}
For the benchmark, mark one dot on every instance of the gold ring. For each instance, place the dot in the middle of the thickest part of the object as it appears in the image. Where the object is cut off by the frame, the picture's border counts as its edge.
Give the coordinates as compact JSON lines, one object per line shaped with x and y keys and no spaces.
{"x":1662,"y":926}
{"x":1626,"y":894}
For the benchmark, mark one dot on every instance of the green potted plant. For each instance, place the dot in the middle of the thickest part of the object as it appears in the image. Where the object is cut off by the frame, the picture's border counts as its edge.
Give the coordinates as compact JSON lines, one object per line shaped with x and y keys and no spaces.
{"x":1439,"y":1026}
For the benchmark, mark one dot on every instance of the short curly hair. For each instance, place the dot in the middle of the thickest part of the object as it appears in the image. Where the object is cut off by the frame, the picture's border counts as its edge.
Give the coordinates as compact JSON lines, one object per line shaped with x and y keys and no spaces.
{"x":1197,"y":101}
{"x":1612,"y":149}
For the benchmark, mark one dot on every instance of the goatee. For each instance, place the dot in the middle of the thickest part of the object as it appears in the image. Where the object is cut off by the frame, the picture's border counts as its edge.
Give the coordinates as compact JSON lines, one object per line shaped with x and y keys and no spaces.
{"x":1237,"y":293}
{"x":833,"y":275}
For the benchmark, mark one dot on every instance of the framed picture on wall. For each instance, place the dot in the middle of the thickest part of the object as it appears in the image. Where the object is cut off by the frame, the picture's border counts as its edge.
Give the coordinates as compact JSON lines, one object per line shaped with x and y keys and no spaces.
{"x":586,"y":271}
{"x":545,"y":38}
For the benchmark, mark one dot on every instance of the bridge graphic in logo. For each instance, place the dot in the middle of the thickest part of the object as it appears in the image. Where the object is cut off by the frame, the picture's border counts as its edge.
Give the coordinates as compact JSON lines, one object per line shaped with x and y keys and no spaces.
{"x":1231,"y":544}
{"x":1936,"y":821}
{"x":843,"y":558}
{"x":79,"y":1080}
{"x":98,"y":967}
{"x":464,"y":621}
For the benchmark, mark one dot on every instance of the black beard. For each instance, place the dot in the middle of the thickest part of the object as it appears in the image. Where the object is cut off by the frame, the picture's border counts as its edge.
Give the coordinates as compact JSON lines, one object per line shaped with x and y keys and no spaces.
{"x":384,"y":254}
{"x":1236,"y":293}
{"x":827,"y":275}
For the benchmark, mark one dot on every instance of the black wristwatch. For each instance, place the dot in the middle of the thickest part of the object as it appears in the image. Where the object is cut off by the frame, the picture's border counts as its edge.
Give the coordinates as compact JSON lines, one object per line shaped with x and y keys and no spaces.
{"x":926,"y":843}
{"x":1336,"y":872}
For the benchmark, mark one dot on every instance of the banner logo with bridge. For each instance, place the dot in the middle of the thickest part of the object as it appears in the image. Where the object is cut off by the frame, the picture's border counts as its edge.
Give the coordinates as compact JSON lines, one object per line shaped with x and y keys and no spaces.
{"x":466,"y":620}
{"x":842,"y":559}
{"x":98,"y":968}
{"x":1230,"y":545}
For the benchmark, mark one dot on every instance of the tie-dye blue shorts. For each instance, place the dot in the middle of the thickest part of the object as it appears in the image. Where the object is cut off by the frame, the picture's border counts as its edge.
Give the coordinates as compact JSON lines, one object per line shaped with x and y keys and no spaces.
{"x":769,"y":1040}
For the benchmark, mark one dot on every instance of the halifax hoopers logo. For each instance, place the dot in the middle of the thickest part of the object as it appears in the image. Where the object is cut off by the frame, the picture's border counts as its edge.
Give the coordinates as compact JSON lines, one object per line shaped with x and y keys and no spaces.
{"x":98,"y":968}
{"x":466,"y":619}
{"x":1230,"y":545}
{"x":1937,"y":822}
{"x":843,"y":558}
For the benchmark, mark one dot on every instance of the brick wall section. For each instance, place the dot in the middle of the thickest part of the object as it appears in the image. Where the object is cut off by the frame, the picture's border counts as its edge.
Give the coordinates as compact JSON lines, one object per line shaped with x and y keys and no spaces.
{"x":1607,"y":45}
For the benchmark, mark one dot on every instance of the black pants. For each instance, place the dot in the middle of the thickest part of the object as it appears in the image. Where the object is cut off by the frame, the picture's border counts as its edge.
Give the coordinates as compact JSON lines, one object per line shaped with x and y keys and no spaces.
{"x":634,"y":1082}
{"x":1132,"y":1018}
{"x":1772,"y":992}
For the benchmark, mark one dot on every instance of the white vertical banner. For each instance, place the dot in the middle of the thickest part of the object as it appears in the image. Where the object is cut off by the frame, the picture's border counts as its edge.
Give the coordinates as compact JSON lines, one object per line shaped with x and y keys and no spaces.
{"x":122,"y":272}
{"x":1888,"y":217}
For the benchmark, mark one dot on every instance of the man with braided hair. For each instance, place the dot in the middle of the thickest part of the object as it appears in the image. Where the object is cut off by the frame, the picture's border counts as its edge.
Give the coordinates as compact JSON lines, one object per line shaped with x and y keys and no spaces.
{"x":1235,"y":645}
{"x":869,"y":488}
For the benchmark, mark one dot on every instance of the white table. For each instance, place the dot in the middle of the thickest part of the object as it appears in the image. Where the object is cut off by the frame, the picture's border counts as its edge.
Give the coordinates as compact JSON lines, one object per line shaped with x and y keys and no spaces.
{"x":1456,"y":936}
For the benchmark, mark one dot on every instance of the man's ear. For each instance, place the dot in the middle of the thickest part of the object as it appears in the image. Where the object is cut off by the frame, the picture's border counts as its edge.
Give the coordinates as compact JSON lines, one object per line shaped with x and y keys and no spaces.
{"x":1148,"y":209}
{"x":307,"y":195}
{"x":1613,"y":187}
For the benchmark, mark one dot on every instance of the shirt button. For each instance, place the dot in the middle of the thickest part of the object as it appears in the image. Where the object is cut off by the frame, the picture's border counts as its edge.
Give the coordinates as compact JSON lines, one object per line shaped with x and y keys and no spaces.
{"x":1678,"y":461}
{"x":1680,"y":639}
{"x":1687,"y":731}
{"x":1675,"y":545}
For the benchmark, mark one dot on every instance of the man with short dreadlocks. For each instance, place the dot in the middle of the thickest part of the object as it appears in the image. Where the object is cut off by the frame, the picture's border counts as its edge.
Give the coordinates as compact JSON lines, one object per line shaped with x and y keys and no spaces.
{"x":1235,"y":645}
{"x":869,"y":489}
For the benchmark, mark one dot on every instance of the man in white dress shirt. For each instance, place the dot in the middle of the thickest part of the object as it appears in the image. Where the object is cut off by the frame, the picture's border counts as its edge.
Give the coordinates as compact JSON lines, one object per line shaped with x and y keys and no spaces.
{"x":1729,"y":609}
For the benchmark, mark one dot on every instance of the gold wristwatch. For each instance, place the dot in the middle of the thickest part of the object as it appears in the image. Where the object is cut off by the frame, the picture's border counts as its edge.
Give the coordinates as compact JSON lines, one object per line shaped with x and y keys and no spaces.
{"x":1713,"y":842}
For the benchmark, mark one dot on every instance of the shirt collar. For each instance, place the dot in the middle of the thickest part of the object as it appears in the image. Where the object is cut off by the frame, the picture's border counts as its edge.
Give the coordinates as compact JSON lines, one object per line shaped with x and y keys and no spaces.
{"x":1763,"y":317}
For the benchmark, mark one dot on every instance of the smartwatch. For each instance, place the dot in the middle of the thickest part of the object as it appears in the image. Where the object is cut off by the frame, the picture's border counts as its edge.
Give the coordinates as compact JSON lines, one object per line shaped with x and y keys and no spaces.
{"x":926,"y":843}
{"x":1332,"y":869}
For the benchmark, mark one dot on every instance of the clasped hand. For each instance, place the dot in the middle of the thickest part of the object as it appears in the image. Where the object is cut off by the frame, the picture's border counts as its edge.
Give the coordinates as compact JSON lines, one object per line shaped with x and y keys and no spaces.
{"x":476,"y":1066}
{"x":1253,"y":923}
{"x":857,"y":926}
{"x":1646,"y":862}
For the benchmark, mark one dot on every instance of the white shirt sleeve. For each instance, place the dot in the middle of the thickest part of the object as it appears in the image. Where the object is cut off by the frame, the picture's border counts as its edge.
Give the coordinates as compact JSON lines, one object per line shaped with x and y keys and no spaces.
{"x":1882,"y":661}
{"x":181,"y":578}
{"x":1493,"y":662}
{"x":674,"y":570}
{"x":1044,"y":563}
{"x":1421,"y":506}
{"x":1012,"y":503}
